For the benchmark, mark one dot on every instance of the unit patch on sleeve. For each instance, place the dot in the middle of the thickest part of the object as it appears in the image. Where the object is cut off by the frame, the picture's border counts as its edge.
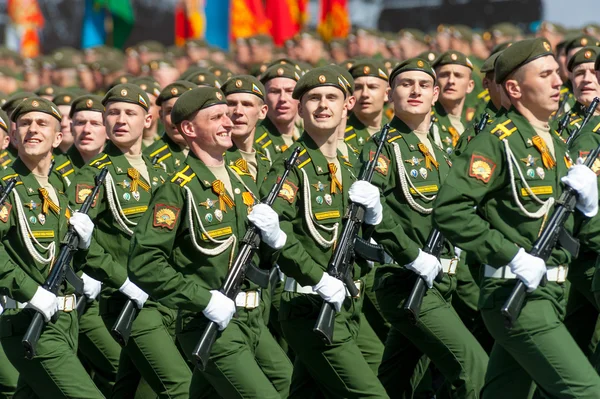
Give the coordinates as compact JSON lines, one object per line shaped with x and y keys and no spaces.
{"x":383,"y":163}
{"x":4,"y":212}
{"x":288,"y":191}
{"x":81,"y":193}
{"x":165,"y":216}
{"x":481,"y":168}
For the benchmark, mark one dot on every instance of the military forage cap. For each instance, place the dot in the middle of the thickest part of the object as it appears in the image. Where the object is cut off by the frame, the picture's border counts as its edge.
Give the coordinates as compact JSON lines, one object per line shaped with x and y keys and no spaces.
{"x":127,"y":93}
{"x":580,"y":41}
{"x":280,"y":71}
{"x":519,"y":54}
{"x":348,"y":77}
{"x":47,"y":90}
{"x":174,"y":90}
{"x":4,"y":121}
{"x":195,"y":100}
{"x":15,"y":99}
{"x":63,"y":97}
{"x":35,"y":104}
{"x":412,"y":64}
{"x":319,"y":77}
{"x":204,"y":78}
{"x":148,"y":84}
{"x":87,"y":102}
{"x":244,"y":84}
{"x":452,"y":57}
{"x":583,"y":56}
{"x":370,"y":67}
{"x":490,"y":63}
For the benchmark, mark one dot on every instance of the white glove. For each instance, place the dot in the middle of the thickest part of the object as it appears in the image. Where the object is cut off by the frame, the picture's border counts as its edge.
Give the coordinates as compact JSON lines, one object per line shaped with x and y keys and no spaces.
{"x":528,"y":268}
{"x":91,"y":287}
{"x":331,"y":290}
{"x":84,"y":227}
{"x":583,"y":180}
{"x":44,"y":302}
{"x":220,"y":309}
{"x":267,"y":221}
{"x":1,"y":309}
{"x":426,"y":266}
{"x":364,"y":193}
{"x":134,"y":293}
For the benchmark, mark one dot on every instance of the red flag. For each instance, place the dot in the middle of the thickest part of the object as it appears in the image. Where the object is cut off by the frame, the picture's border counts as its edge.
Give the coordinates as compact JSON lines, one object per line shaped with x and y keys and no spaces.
{"x":334,"y":20}
{"x":287,"y":18}
{"x":26,"y":19}
{"x":189,"y":20}
{"x":248,"y":18}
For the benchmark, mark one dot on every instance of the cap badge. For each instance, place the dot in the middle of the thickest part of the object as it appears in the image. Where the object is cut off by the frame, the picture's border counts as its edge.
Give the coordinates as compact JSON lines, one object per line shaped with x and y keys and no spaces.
{"x":123,"y":92}
{"x":420,"y":64}
{"x":35,"y":104}
{"x":89,"y":102}
{"x":322,"y":78}
{"x":238,"y":83}
{"x":174,"y":91}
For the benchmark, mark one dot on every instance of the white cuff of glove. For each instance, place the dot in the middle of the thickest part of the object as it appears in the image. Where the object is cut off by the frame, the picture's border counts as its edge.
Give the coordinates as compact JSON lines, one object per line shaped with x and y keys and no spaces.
{"x":426,"y":266}
{"x":528,"y":268}
{"x":91,"y":287}
{"x":84,"y":227}
{"x":1,"y":309}
{"x":267,"y":221}
{"x":583,"y":180}
{"x":364,"y":193}
{"x":44,"y":302}
{"x":134,"y":293}
{"x":331,"y":290}
{"x":220,"y":309}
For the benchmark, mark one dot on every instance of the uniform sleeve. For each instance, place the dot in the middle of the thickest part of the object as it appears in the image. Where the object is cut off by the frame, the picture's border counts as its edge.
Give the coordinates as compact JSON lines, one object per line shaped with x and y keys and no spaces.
{"x":95,"y":261}
{"x":475,"y":175}
{"x":150,"y":252}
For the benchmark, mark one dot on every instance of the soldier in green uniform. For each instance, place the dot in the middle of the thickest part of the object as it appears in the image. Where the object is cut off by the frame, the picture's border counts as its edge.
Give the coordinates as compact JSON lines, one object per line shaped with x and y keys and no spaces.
{"x":453,"y":70}
{"x":311,"y":205}
{"x":186,"y":242}
{"x":125,"y":197}
{"x":169,"y":152}
{"x":505,"y":205}
{"x":152,"y":89}
{"x":6,"y":155}
{"x":410,"y":171}
{"x":11,"y":103}
{"x":278,"y":131}
{"x":33,"y":221}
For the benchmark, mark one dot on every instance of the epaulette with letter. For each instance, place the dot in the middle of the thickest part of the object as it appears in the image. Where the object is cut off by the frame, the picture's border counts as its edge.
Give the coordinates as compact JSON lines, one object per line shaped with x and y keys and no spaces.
{"x":183,"y":176}
{"x":349,"y":133}
{"x":101,"y":162}
{"x":303,"y":159}
{"x":263,"y":141}
{"x":393,"y":135}
{"x":65,"y":169}
{"x":160,"y":155}
{"x":13,"y":176}
{"x":504,"y":129}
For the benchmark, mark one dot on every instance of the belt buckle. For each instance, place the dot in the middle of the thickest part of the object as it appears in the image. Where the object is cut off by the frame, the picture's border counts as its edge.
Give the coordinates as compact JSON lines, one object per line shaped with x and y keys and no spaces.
{"x":453,"y":266}
{"x":69,"y":302}
{"x":561,"y":275}
{"x":251,"y":300}
{"x":358,"y":284}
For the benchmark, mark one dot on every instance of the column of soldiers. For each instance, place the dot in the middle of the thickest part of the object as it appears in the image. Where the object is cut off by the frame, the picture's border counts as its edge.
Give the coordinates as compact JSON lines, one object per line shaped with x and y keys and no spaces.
{"x":486,"y":132}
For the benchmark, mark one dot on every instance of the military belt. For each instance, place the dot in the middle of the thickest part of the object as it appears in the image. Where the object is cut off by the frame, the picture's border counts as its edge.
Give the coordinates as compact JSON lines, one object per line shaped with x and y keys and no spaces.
{"x":554,"y":273}
{"x":292,"y":286}
{"x":248,"y":299}
{"x":66,"y":303}
{"x":449,"y":265}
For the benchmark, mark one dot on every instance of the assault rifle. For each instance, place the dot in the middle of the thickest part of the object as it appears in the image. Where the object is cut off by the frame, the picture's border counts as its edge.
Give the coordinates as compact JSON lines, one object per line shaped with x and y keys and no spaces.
{"x":589,"y":112}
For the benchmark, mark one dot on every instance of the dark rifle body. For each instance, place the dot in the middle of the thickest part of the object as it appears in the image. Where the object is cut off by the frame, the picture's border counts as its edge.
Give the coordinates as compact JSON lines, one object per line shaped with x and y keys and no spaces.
{"x":482,"y":123}
{"x":341,"y":263}
{"x":589,"y":112}
{"x":60,"y":271}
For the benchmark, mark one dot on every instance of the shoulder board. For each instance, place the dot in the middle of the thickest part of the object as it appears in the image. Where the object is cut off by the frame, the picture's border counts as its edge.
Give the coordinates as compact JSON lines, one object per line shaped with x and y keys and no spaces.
{"x":160,"y":154}
{"x":65,"y":169}
{"x":564,"y":90}
{"x":483,"y":94}
{"x":596,"y":129}
{"x":393,"y":135}
{"x":575,"y":120}
{"x":504,"y":129}
{"x":303,"y":159}
{"x":4,"y":159}
{"x":13,"y":176}
{"x":349,"y":134}
{"x":264,"y":140}
{"x":101,"y":162}
{"x":183,"y":176}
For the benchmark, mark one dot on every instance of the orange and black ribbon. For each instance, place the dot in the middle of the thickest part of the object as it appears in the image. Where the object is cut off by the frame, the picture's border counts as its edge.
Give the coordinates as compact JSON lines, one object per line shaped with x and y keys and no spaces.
{"x":429,"y":159}
{"x":541,"y":146}
{"x":47,"y":202}
{"x":136,"y":181}
{"x":224,"y":199}
{"x":335,"y":183}
{"x":455,"y":135}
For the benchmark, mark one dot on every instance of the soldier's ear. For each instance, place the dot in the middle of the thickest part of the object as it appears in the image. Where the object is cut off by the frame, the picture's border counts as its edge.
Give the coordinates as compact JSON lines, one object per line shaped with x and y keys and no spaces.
{"x":300,"y":109}
{"x":436,"y":94}
{"x":471,"y":86}
{"x":512,"y":88}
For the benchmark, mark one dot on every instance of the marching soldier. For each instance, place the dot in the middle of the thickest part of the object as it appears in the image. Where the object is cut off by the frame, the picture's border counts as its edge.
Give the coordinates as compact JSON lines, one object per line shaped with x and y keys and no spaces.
{"x":7,"y":155}
{"x":184,"y":246}
{"x":505,"y":204}
{"x":152,"y":89}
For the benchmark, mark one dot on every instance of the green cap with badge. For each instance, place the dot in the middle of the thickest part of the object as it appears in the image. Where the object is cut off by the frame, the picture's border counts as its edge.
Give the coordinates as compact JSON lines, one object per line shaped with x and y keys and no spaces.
{"x":583,"y":56}
{"x":370,"y":67}
{"x":519,"y":54}
{"x":47,"y":90}
{"x":87,"y":102}
{"x":195,"y":100}
{"x":203,"y":77}
{"x":320,"y":77}
{"x":148,"y":84}
{"x":15,"y":99}
{"x":348,"y":77}
{"x":127,"y":93}
{"x":452,"y":57}
{"x":35,"y":104}
{"x":174,"y":90}
{"x":581,"y":41}
{"x":413,"y":34}
{"x":280,"y":71}
{"x":413,"y":64}
{"x":4,"y":121}
{"x":244,"y":84}
{"x":63,"y":97}
{"x":428,"y":56}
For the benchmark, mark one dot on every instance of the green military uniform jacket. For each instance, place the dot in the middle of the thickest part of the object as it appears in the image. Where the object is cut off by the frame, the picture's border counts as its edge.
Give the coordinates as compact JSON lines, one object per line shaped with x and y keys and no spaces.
{"x":469,"y":133}
{"x":185,"y":243}
{"x":309,"y":212}
{"x":477,"y":209}
{"x":567,"y":99}
{"x":234,"y":159}
{"x":268,"y":140}
{"x":118,"y":208}
{"x":165,"y":153}
{"x":443,"y":133}
{"x":8,"y":156}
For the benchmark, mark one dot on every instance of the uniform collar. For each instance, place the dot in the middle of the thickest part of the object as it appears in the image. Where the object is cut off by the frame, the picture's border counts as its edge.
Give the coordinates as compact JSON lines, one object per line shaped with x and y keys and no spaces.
{"x":318,"y":160}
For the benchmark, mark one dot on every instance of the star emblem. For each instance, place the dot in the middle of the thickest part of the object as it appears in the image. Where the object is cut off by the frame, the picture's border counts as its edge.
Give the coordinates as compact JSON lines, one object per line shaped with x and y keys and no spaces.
{"x":320,"y":186}
{"x":208,"y":203}
{"x":414,"y":161}
{"x":529,"y":160}
{"x":448,"y":140}
{"x":32,"y":205}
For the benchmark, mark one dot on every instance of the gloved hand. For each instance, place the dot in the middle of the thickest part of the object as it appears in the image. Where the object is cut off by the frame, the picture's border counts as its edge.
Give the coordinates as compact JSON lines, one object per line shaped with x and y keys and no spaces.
{"x":134,"y":293}
{"x":426,"y":266}
{"x":44,"y":302}
{"x":91,"y":287}
{"x":1,"y":309}
{"x":84,"y":227}
{"x":331,"y":290}
{"x":267,"y":221}
{"x":364,"y":193}
{"x":528,"y":268}
{"x":220,"y":309}
{"x":583,"y":180}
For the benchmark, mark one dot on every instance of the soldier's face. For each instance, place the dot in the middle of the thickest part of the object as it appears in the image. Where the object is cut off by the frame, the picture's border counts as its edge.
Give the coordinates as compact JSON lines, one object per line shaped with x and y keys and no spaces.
{"x":322,"y":109}
{"x":165,"y":116}
{"x":153,"y":109}
{"x":454,"y":81}
{"x":371,"y":94}
{"x":245,"y":110}
{"x":88,"y":131}
{"x":37,"y":134}
{"x":494,"y":89}
{"x":65,"y":126}
{"x":210,"y":130}
{"x":413,"y":94}
{"x":125,"y":123}
{"x":585,"y":83}
{"x":282,"y":107}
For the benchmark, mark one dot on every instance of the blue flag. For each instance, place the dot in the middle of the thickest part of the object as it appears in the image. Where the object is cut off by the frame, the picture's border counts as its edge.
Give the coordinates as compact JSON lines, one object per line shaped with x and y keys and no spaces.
{"x":217,"y":23}
{"x":92,"y":30}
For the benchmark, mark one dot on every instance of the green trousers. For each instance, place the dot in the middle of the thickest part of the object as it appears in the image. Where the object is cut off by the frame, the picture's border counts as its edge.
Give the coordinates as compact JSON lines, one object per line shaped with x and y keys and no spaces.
{"x":537,"y":349}
{"x":55,"y":372}
{"x":8,"y":376}
{"x":151,"y":352}
{"x":339,"y":369}
{"x":440,"y":334}
{"x":245,"y":361}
